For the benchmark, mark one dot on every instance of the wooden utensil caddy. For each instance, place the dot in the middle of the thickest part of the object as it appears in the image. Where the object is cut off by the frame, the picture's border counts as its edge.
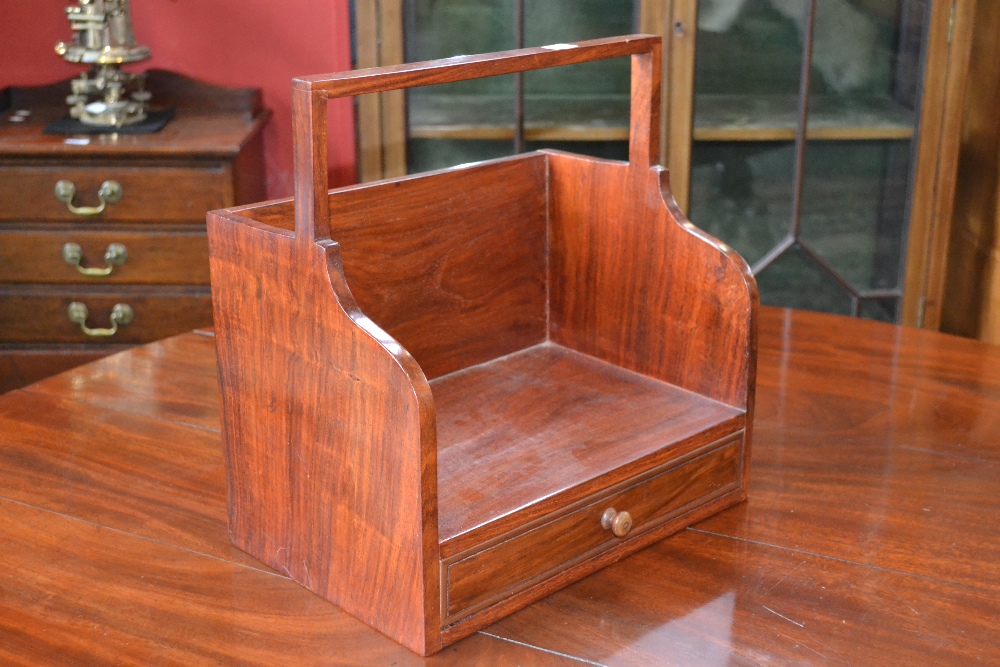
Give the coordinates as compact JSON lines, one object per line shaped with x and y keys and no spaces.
{"x":539,"y":367}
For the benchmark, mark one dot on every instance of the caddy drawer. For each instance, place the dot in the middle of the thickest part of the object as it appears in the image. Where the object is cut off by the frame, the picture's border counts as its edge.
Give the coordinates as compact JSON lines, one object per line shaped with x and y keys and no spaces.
{"x":516,"y":561}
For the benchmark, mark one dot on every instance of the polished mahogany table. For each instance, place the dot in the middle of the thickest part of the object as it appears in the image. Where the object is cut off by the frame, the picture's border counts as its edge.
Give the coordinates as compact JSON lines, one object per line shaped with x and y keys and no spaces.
{"x":872,"y":535}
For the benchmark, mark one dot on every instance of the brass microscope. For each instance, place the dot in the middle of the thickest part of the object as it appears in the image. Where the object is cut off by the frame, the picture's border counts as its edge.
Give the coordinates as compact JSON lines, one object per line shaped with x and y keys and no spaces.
{"x":105,"y":96}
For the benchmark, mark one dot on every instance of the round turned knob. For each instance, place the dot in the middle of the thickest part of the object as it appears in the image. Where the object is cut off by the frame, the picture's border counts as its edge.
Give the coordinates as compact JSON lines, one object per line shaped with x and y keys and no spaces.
{"x":619,"y":523}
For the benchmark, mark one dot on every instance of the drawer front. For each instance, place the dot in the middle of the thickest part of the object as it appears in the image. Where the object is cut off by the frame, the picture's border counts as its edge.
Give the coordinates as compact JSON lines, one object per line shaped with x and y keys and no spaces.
{"x":476,"y":580}
{"x":42,"y":318}
{"x":159,"y":194}
{"x":166,"y":258}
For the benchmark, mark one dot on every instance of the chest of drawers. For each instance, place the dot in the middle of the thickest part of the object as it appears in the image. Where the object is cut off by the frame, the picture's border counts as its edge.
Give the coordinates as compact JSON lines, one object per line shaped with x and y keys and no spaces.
{"x":102,"y":237}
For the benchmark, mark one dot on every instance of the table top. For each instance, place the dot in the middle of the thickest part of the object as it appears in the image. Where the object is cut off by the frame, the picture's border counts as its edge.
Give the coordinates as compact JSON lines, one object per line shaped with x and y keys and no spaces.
{"x":872,"y":533}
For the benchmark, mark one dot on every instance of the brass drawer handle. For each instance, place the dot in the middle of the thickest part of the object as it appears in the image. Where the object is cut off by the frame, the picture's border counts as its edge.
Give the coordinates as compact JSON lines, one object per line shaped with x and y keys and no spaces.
{"x":121,"y":315}
{"x":109,"y":193}
{"x":619,"y":523}
{"x":114,"y":255}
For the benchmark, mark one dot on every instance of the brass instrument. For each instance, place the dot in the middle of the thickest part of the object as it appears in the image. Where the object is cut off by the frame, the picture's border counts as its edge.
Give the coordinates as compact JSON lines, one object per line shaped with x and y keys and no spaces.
{"x":106,"y":95}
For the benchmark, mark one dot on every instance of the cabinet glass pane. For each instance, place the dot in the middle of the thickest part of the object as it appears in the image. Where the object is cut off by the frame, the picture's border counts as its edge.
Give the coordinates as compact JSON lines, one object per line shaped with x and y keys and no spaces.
{"x":883,"y":310}
{"x":856,"y":189}
{"x":865,"y":76}
{"x":741,"y":192}
{"x":430,"y":154}
{"x":578,"y":102}
{"x":440,"y":117}
{"x":586,"y":104}
{"x":854,"y":208}
{"x":795,"y":281}
{"x":747,"y":63}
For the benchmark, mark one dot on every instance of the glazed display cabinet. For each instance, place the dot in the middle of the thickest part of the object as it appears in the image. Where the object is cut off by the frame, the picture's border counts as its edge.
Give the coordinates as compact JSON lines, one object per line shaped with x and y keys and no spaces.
{"x":817,"y":137}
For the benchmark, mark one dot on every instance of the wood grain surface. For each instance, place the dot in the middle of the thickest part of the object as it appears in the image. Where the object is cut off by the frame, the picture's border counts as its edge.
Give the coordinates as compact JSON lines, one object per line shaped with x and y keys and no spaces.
{"x":117,"y":470}
{"x":299,"y":365}
{"x":450,"y":265}
{"x":95,"y":595}
{"x":22,"y":367}
{"x":970,"y":303}
{"x":871,"y":535}
{"x":142,"y":383}
{"x":590,"y":425}
{"x":641,"y":287}
{"x":703,"y":599}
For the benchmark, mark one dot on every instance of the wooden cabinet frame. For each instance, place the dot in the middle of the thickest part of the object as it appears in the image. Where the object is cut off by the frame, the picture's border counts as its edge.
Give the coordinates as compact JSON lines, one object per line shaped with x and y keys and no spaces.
{"x":949,"y":46}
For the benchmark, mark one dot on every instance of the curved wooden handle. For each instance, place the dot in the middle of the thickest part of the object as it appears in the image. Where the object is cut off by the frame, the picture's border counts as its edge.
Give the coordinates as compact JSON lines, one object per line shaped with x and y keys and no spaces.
{"x":310,"y":96}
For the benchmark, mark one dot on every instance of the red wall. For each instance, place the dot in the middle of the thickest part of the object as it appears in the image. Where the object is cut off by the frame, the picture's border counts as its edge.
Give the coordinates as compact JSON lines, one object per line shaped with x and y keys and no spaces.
{"x":224,"y":42}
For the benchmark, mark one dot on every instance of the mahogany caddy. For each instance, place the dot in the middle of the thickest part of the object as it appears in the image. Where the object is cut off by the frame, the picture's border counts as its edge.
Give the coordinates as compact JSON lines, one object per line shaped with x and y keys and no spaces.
{"x":538,"y":368}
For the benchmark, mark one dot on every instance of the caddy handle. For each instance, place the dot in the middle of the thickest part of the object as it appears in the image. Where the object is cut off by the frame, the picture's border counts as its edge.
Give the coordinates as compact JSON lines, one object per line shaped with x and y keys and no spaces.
{"x":310,"y":95}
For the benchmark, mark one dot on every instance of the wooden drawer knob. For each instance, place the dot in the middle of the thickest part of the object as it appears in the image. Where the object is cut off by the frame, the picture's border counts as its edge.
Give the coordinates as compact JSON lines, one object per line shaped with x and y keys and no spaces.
{"x":619,"y":523}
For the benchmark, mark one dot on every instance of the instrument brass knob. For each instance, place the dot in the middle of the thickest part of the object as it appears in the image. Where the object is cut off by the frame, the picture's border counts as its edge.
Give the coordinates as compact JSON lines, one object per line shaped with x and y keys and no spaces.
{"x":619,"y":523}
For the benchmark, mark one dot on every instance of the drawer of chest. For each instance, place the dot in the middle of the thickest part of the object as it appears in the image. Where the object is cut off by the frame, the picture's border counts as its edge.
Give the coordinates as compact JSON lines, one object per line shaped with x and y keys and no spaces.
{"x":513,"y":563}
{"x":105,"y":316}
{"x":74,"y":255}
{"x":112,"y":193}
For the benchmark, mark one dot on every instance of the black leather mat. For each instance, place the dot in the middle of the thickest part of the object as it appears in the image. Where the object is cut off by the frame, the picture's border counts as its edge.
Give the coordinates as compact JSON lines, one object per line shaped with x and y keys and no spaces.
{"x":154,"y":122}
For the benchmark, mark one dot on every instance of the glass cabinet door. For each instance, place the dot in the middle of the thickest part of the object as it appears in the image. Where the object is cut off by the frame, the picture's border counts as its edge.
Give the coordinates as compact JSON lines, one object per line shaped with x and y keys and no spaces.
{"x":805,"y":116}
{"x":791,"y":126}
{"x":583,"y":108}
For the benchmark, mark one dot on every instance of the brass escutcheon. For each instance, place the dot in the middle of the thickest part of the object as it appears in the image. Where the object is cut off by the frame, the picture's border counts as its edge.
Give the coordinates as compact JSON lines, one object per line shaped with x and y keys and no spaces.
{"x":121,"y":315}
{"x":114,"y":255}
{"x":110,"y":192}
